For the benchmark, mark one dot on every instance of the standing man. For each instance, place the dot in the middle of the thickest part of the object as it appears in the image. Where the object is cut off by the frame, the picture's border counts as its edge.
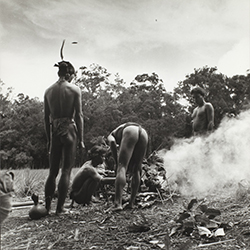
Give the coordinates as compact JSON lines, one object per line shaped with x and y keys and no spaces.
{"x":132,"y":140}
{"x":203,"y":114}
{"x":62,"y":104}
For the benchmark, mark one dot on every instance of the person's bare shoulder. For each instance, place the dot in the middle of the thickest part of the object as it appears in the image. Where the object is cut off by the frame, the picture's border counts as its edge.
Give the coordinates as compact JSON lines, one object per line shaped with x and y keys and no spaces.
{"x":49,"y":89}
{"x":74,"y":89}
{"x":209,"y":105}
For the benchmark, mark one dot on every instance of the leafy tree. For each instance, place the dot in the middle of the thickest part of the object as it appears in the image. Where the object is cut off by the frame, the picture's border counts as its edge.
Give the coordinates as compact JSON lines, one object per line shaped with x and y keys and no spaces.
{"x":240,"y":87}
{"x":117,"y":88}
{"x":93,"y":79}
{"x":147,"y":102}
{"x":23,"y":141}
{"x":227,"y":95}
{"x":108,"y":103}
{"x":4,"y":99}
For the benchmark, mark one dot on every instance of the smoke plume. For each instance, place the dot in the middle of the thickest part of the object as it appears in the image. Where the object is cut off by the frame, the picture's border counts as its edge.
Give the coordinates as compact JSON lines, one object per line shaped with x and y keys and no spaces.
{"x":202,"y":164}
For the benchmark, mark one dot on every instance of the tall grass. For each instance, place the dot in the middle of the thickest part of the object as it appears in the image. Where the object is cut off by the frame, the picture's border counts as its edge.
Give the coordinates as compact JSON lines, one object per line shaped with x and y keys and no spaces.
{"x":28,"y":181}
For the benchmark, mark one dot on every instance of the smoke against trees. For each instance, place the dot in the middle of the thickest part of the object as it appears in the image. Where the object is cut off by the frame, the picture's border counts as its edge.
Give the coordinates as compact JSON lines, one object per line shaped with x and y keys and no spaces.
{"x":201,"y":164}
{"x":108,"y":103}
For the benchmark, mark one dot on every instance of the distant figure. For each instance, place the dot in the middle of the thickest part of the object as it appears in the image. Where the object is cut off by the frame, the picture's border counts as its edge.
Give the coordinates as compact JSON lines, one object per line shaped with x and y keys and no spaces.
{"x":132,"y":140}
{"x":203,"y":114}
{"x":64,"y":127}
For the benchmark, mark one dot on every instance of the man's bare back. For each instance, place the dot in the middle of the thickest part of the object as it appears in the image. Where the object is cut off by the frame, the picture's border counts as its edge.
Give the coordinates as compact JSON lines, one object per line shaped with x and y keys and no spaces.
{"x":60,"y":97}
{"x":63,"y":100}
{"x":64,"y":127}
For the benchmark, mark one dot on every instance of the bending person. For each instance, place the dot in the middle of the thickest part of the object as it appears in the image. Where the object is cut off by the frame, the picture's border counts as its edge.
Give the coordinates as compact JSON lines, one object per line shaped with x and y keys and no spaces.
{"x":132,"y":140}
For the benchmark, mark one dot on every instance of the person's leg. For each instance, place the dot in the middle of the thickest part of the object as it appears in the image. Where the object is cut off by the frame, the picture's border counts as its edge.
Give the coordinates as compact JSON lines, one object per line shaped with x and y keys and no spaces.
{"x":120,"y":182}
{"x":130,"y":137}
{"x":136,"y":178}
{"x":54,"y":159}
{"x":137,"y":158}
{"x":69,"y":152}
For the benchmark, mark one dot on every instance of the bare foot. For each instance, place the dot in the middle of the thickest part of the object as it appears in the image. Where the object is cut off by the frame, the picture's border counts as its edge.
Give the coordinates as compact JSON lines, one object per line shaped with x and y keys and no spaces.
{"x":62,"y":211}
{"x":117,"y":208}
{"x":127,"y":205}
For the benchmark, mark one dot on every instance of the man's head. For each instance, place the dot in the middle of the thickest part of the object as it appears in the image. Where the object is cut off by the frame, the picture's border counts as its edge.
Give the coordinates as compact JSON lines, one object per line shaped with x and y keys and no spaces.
{"x":96,"y":154}
{"x":198,"y":90}
{"x":198,"y":94}
{"x":66,"y":69}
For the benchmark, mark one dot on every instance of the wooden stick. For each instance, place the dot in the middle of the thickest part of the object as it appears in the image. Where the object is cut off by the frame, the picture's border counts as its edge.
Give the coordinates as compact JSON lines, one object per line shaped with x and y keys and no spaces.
{"x":22,"y":207}
{"x":215,"y":243}
{"x":160,"y":196}
{"x":76,"y":238}
{"x":20,"y":204}
{"x":51,"y":245}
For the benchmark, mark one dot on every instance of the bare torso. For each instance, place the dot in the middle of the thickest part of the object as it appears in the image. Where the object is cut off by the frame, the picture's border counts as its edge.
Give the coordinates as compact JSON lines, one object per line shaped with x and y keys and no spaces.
{"x":60,"y":98}
{"x":201,"y":118}
{"x":63,"y":100}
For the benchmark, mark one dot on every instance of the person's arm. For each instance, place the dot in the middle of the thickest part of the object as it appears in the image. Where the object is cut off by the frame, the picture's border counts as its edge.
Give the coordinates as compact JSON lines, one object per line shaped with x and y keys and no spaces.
{"x":96,"y":176}
{"x":112,"y":143}
{"x":47,"y":121}
{"x":194,"y":113}
{"x":210,"y":116}
{"x":79,"y":117}
{"x":192,"y":119}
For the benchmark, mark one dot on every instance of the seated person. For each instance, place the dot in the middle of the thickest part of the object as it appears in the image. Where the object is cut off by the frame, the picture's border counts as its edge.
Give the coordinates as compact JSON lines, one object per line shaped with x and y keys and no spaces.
{"x":89,"y":177}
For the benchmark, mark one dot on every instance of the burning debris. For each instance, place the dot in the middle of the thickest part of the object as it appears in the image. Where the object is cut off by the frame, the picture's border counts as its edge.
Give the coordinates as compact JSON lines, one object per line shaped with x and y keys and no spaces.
{"x":140,"y":225}
{"x":153,"y":173}
{"x":200,"y":165}
{"x":200,"y":223}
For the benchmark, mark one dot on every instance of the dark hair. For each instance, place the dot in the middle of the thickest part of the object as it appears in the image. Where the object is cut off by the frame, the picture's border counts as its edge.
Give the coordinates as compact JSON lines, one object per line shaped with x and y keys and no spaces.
{"x":65,"y":69}
{"x":96,"y":154}
{"x":97,"y":151}
{"x":198,"y":90}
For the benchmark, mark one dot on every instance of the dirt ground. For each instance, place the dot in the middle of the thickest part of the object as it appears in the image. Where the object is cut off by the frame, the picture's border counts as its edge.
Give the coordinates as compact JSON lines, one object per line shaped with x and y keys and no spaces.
{"x":96,"y":227}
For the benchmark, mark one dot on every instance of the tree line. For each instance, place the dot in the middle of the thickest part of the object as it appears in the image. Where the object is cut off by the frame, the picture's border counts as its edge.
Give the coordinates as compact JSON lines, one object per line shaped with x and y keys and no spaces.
{"x":108,"y":103}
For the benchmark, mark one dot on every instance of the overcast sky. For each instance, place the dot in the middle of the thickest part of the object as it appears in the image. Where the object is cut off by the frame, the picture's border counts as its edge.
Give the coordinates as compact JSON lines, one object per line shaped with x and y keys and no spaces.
{"x":129,"y":37}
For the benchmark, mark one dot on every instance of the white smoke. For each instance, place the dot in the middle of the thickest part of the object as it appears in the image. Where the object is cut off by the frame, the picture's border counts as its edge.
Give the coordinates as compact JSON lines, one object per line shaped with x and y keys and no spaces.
{"x":201,"y":164}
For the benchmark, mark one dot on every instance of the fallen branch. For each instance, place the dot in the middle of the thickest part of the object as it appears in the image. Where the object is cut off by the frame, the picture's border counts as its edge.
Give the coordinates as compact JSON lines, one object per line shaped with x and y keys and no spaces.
{"x":22,"y":207}
{"x":20,"y":204}
{"x":51,"y":246}
{"x":76,"y":238}
{"x":160,"y":196}
{"x":169,"y":190}
{"x":147,"y":193}
{"x":215,"y":243}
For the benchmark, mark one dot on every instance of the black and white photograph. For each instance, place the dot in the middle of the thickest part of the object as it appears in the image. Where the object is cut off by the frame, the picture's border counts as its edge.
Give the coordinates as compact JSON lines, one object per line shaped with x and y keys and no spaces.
{"x":124,"y":124}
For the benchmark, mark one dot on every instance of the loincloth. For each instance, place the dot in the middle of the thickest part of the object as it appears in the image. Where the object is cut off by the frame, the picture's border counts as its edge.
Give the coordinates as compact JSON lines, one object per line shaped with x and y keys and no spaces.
{"x":120,"y":131}
{"x":60,"y":126}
